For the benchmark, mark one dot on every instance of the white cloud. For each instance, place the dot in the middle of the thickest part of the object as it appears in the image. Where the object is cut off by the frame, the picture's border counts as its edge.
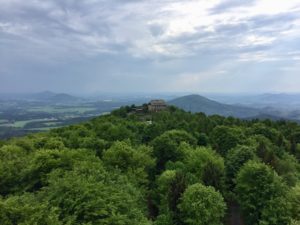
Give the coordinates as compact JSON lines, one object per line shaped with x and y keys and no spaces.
{"x":129,"y":23}
{"x":259,"y":57}
{"x":256,"y":40}
{"x":14,"y":28}
{"x":191,"y":36}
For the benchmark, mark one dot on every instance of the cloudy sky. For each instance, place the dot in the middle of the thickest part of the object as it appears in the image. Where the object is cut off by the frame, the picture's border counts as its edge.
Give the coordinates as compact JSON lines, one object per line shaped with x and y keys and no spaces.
{"x":92,"y":46}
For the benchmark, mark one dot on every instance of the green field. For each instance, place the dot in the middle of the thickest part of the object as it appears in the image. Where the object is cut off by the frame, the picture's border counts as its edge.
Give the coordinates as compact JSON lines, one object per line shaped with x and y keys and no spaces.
{"x":3,"y":121}
{"x":53,"y":109}
{"x":42,"y":128}
{"x":52,"y":123}
{"x":22,"y":123}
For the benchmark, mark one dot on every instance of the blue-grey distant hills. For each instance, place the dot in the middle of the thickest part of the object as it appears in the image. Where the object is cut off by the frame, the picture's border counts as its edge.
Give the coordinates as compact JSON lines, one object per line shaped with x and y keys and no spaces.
{"x":48,"y":96}
{"x":286,"y":101}
{"x":45,"y":96}
{"x":198,"y":103}
{"x":63,"y":98}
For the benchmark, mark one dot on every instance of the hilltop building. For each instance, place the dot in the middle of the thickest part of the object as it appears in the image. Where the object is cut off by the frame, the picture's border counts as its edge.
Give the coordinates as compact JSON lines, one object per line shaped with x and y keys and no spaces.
{"x":157,"y":105}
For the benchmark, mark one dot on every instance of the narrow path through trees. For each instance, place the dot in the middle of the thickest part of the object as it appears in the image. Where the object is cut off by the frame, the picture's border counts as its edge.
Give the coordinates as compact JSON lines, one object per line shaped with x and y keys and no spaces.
{"x":234,"y":217}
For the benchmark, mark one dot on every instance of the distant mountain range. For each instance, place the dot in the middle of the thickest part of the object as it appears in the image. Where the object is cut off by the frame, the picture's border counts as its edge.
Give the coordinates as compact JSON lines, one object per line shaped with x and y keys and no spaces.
{"x":42,"y":95}
{"x":197,"y":103}
{"x":45,"y":96}
{"x":272,"y":106}
{"x":56,"y":98}
{"x":278,"y":101}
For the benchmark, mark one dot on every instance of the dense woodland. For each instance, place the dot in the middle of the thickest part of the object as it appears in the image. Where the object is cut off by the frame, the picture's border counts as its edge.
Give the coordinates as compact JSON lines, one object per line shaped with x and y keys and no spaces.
{"x":166,"y":168}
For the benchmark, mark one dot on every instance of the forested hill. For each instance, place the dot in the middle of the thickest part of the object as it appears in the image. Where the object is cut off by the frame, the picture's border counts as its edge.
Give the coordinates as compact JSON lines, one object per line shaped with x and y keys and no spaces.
{"x":198,"y":103}
{"x":168,"y":168}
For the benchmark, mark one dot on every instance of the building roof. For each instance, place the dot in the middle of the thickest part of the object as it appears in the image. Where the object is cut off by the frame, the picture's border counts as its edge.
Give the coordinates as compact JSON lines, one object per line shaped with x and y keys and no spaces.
{"x":158,"y":102}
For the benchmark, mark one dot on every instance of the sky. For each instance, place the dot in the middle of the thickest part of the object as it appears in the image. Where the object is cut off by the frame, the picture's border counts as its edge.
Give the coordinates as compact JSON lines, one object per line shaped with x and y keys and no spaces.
{"x":94,"y":46}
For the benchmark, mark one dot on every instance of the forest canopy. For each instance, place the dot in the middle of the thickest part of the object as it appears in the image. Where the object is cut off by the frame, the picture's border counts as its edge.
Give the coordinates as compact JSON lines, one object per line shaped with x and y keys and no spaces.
{"x":165,"y":168}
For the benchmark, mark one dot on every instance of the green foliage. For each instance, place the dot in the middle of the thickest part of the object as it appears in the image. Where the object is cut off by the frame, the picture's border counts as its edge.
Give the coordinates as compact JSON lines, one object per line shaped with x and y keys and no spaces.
{"x":294,"y":198}
{"x":54,"y":143}
{"x":202,"y":205}
{"x":95,"y":144}
{"x":206,"y":166}
{"x":172,"y":167}
{"x":289,"y":169}
{"x":276,"y":211}
{"x":259,"y":189}
{"x":166,"y":146}
{"x":235,"y":159}
{"x":25,"y":210}
{"x":164,"y":219}
{"x":89,"y":194}
{"x":295,"y":222}
{"x":224,"y":138}
{"x":266,"y":150}
{"x":268,"y":132}
{"x":297,"y":152}
{"x":12,"y":160}
{"x":202,"y":139}
{"x":113,"y":132}
{"x":42,"y":163}
{"x":135,"y":162}
{"x":171,"y":185}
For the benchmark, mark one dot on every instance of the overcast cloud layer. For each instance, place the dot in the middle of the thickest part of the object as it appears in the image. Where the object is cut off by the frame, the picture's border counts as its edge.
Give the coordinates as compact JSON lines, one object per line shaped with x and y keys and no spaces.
{"x":150,"y":45}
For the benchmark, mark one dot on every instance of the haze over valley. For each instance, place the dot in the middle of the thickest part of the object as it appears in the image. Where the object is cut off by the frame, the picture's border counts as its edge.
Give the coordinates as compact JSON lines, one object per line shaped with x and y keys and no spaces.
{"x":33,"y":112}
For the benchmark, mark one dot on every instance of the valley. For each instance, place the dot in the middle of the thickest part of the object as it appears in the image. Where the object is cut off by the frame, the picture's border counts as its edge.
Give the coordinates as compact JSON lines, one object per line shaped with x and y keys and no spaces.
{"x":30,"y":113}
{"x":20,"y":115}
